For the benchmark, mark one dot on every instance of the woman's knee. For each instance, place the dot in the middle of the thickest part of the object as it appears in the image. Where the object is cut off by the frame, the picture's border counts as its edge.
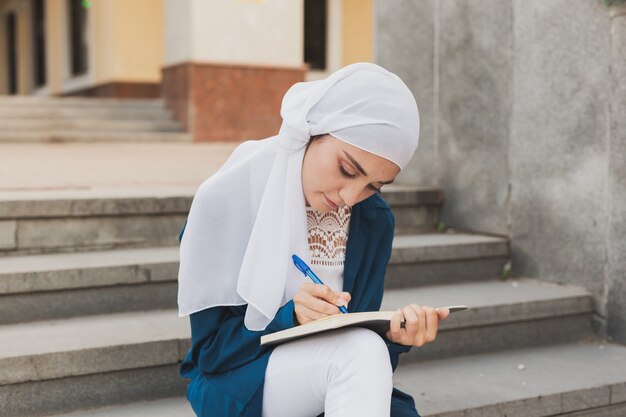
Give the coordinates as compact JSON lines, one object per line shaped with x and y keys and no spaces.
{"x":362,"y":358}
{"x":363,"y":345}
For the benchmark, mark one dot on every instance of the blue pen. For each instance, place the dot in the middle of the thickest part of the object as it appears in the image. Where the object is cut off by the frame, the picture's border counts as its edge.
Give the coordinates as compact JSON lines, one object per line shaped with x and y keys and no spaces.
{"x":302,"y":266}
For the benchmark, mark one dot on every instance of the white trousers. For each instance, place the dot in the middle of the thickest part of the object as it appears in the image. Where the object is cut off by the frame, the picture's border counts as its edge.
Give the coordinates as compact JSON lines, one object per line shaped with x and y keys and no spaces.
{"x":344,"y":372}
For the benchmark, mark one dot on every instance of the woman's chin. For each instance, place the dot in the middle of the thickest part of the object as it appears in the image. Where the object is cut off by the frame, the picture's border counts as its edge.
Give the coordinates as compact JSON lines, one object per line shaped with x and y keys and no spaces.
{"x":318,"y":204}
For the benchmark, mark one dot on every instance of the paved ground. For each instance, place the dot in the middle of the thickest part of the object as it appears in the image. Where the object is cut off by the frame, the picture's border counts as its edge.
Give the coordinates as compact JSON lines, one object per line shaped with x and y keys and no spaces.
{"x":55,"y":169}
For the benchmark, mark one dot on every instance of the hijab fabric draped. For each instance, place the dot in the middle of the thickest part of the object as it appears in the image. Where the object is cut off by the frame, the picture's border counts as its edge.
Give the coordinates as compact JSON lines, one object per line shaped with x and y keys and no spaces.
{"x":248,"y":218}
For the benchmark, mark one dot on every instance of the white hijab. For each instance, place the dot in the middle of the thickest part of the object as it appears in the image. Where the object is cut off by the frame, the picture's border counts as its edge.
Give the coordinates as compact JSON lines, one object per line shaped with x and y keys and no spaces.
{"x":248,"y":218}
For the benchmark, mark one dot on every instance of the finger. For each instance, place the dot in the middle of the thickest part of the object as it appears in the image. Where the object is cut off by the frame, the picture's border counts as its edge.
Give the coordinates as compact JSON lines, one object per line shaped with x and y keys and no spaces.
{"x":443,"y":313}
{"x":345,"y":295}
{"x":320,"y":305}
{"x":394,"y":326}
{"x":412,"y":322}
{"x":311,"y":315}
{"x":324,"y":292}
{"x":431,"y":323}
{"x":342,"y":299}
{"x":420,"y":336}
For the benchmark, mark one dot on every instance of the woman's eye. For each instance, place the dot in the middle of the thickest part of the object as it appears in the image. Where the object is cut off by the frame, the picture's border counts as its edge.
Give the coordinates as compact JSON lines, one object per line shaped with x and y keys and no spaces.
{"x":348,"y":175}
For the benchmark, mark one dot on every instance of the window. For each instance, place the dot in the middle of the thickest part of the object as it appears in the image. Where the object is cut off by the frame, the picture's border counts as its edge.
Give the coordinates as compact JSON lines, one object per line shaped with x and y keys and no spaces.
{"x":78,"y":37}
{"x":11,"y":37}
{"x":39,"y":43}
{"x":315,"y":18}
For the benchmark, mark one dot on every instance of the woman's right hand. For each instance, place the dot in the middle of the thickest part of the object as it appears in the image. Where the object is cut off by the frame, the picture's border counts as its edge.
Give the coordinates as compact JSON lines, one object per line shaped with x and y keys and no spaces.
{"x":315,"y":301}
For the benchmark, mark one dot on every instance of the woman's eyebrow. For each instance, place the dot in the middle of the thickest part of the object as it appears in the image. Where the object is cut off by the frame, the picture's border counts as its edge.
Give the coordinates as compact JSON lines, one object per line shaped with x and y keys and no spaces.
{"x":360,"y":168}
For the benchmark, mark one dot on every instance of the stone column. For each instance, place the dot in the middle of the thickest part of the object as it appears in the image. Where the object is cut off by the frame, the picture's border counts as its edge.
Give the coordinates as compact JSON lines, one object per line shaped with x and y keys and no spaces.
{"x":523,"y":127}
{"x":559,"y":144}
{"x":228,"y":65}
{"x":616,"y":305}
{"x":408,"y":50}
{"x":475,"y":101}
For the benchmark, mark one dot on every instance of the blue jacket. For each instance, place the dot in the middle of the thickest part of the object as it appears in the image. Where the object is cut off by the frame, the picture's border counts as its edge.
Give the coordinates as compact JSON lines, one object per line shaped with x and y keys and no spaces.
{"x":226,"y":363}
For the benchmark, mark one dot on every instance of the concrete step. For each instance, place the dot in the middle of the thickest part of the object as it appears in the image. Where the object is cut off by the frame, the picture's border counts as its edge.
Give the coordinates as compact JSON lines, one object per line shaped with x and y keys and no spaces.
{"x":122,"y":201}
{"x":80,"y":102}
{"x":80,"y":112}
{"x":76,"y":234}
{"x":92,"y":136}
{"x":37,"y":222}
{"x":134,"y":357}
{"x":167,"y":407}
{"x":62,"y":365}
{"x":53,"y":285}
{"x":87,"y":125}
{"x":38,"y":287}
{"x":416,"y":209}
{"x":502,"y":315}
{"x":575,"y":380}
{"x":72,"y":357}
{"x":579,"y":379}
{"x":440,"y":258}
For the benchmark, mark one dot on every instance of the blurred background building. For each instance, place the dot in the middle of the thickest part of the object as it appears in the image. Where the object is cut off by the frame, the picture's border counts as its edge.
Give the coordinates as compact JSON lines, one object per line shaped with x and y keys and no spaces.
{"x":212,"y":61}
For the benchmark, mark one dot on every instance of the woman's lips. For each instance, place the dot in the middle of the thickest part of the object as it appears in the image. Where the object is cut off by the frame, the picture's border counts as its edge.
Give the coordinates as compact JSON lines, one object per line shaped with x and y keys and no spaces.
{"x":330,"y":203}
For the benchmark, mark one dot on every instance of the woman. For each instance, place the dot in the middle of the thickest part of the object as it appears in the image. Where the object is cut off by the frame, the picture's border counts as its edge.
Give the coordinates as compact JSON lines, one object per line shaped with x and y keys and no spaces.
{"x":311,"y":190}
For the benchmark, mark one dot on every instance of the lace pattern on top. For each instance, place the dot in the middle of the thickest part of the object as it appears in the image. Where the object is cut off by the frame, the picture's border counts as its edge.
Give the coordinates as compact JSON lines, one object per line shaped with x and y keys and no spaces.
{"x":328,"y":235}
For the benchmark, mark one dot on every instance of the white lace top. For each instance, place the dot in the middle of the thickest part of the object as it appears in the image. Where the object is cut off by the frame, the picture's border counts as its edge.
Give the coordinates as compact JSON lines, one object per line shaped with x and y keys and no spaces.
{"x":328,"y":238}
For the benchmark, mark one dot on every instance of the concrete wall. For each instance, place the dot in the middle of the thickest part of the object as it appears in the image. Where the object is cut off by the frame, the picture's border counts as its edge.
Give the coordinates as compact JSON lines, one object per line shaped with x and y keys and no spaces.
{"x":616,"y":269}
{"x":408,"y":49}
{"x":475,"y":42}
{"x":356,"y":31}
{"x":235,"y":32}
{"x":522,"y":103}
{"x":133,"y":34}
{"x":559,"y":145}
{"x":126,"y":41}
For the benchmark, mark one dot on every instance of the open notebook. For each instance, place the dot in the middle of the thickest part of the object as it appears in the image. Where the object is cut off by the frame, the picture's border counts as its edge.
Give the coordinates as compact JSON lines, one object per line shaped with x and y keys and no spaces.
{"x":377,"y":321}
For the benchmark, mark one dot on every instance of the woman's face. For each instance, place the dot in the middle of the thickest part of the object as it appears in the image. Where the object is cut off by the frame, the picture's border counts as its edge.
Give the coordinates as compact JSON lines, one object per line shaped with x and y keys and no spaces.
{"x":323,"y":179}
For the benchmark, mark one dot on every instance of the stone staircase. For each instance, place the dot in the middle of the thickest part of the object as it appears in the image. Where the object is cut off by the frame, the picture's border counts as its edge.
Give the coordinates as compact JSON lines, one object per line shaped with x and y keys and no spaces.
{"x":89,"y":326}
{"x":76,"y":119}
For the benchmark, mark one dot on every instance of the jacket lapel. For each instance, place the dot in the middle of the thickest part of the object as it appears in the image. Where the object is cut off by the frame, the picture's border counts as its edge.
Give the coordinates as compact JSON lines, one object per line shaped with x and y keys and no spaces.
{"x":363,"y":214}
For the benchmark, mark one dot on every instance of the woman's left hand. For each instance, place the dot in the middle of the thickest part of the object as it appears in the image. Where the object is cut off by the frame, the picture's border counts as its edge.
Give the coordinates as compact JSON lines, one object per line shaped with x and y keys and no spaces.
{"x":421,"y":325}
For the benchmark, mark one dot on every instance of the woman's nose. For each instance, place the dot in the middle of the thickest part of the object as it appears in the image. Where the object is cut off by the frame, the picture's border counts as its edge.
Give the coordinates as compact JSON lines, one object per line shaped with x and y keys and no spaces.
{"x":350,"y":195}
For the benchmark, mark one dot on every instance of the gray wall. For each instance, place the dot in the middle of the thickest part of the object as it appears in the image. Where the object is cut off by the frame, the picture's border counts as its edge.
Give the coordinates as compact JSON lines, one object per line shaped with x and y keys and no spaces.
{"x":522,"y":105}
{"x":409,"y":50}
{"x":616,"y":269}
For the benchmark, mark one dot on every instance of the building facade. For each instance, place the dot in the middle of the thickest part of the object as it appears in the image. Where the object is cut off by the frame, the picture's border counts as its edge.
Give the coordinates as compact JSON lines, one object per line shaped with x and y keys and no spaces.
{"x":221,"y":66}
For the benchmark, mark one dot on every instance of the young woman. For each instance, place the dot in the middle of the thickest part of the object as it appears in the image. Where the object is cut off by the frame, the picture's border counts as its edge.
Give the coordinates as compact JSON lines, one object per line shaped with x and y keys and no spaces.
{"x":312,"y":190}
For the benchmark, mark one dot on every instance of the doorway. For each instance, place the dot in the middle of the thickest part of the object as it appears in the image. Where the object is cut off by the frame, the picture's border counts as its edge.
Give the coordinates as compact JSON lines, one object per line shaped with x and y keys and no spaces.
{"x":39,"y":43}
{"x":11,"y":51}
{"x":78,"y":28}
